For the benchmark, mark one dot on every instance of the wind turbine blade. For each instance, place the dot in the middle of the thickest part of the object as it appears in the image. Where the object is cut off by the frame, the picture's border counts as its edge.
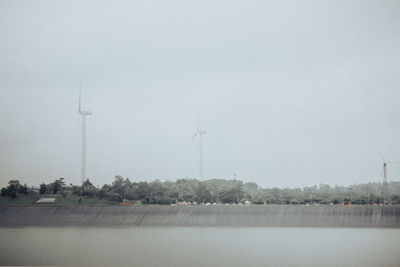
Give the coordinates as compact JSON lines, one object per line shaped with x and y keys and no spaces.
{"x":198,"y":128}
{"x":195,"y":134}
{"x":382,"y":156}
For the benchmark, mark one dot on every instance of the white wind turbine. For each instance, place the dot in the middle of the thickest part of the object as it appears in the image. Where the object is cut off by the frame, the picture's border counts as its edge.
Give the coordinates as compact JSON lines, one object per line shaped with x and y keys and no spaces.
{"x":83,"y":155}
{"x":200,"y":133}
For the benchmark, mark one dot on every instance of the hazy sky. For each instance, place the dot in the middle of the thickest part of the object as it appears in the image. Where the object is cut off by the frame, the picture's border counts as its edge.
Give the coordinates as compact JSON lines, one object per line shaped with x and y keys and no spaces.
{"x":291,"y":93}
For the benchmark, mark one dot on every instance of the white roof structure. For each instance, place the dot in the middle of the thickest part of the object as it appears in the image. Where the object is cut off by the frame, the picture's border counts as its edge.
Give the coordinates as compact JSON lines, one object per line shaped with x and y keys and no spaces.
{"x":46,"y":200}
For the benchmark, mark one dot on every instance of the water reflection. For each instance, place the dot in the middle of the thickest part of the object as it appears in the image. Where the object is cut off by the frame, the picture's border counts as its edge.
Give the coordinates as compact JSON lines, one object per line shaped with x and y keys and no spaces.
{"x":203,"y":246}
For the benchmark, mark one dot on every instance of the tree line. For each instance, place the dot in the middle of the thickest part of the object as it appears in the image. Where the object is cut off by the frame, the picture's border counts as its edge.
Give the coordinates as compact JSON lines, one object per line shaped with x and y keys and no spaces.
{"x":212,"y":191}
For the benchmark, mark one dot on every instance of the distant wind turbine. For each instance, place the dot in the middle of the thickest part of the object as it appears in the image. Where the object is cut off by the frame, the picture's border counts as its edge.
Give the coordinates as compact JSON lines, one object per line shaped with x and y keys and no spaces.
{"x":385,"y":163}
{"x":200,"y":133}
{"x":83,"y":155}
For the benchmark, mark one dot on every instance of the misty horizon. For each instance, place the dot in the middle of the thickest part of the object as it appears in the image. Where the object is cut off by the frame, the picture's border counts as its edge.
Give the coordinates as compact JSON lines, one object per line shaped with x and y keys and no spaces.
{"x":291,"y":94}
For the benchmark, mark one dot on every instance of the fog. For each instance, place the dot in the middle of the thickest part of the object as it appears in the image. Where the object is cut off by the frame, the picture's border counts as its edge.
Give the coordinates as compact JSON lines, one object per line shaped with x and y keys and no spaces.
{"x":291,"y":93}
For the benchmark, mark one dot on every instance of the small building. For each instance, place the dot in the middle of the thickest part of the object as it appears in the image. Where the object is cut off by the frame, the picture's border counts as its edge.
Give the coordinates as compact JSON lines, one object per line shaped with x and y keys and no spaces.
{"x":46,"y":200}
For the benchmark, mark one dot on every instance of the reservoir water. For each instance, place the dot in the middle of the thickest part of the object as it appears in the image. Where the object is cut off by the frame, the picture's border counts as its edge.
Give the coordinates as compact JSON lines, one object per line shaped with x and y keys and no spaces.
{"x":199,"y":246}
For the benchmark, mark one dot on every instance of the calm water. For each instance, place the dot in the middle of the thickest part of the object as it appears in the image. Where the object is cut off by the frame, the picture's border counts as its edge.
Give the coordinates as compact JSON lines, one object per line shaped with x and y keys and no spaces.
{"x":157,"y":246}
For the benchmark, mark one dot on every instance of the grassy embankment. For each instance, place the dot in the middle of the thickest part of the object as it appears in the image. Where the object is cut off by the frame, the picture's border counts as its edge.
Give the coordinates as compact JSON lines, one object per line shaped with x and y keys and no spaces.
{"x":67,"y":200}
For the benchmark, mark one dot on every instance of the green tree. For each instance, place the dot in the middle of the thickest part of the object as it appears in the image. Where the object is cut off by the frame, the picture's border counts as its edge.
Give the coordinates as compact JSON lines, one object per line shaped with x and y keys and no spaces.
{"x":13,"y":188}
{"x":88,"y":189}
{"x":203,"y":195}
{"x":57,"y":186}
{"x":43,"y":188}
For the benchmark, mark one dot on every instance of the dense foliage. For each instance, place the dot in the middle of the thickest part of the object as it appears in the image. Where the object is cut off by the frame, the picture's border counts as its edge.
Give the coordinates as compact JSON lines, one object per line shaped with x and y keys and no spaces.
{"x":13,"y":189}
{"x":215,"y":191}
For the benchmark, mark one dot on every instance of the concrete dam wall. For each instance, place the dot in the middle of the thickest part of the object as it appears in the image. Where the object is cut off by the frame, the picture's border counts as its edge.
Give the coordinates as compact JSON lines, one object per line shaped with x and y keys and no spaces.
{"x":215,"y":216}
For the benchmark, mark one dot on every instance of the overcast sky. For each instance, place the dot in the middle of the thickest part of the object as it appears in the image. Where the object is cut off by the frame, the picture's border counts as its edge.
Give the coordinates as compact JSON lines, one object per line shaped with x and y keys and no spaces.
{"x":291,"y":93}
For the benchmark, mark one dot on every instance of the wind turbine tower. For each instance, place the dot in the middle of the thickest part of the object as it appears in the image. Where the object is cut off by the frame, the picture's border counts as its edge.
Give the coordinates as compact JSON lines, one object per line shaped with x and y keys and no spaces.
{"x":385,"y":163}
{"x":384,"y":173}
{"x":384,"y":169}
{"x":200,"y":133}
{"x":83,"y":154}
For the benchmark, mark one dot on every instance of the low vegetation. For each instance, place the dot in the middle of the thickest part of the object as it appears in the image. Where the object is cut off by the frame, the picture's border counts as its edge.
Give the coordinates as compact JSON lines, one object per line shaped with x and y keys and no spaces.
{"x":195,"y":191}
